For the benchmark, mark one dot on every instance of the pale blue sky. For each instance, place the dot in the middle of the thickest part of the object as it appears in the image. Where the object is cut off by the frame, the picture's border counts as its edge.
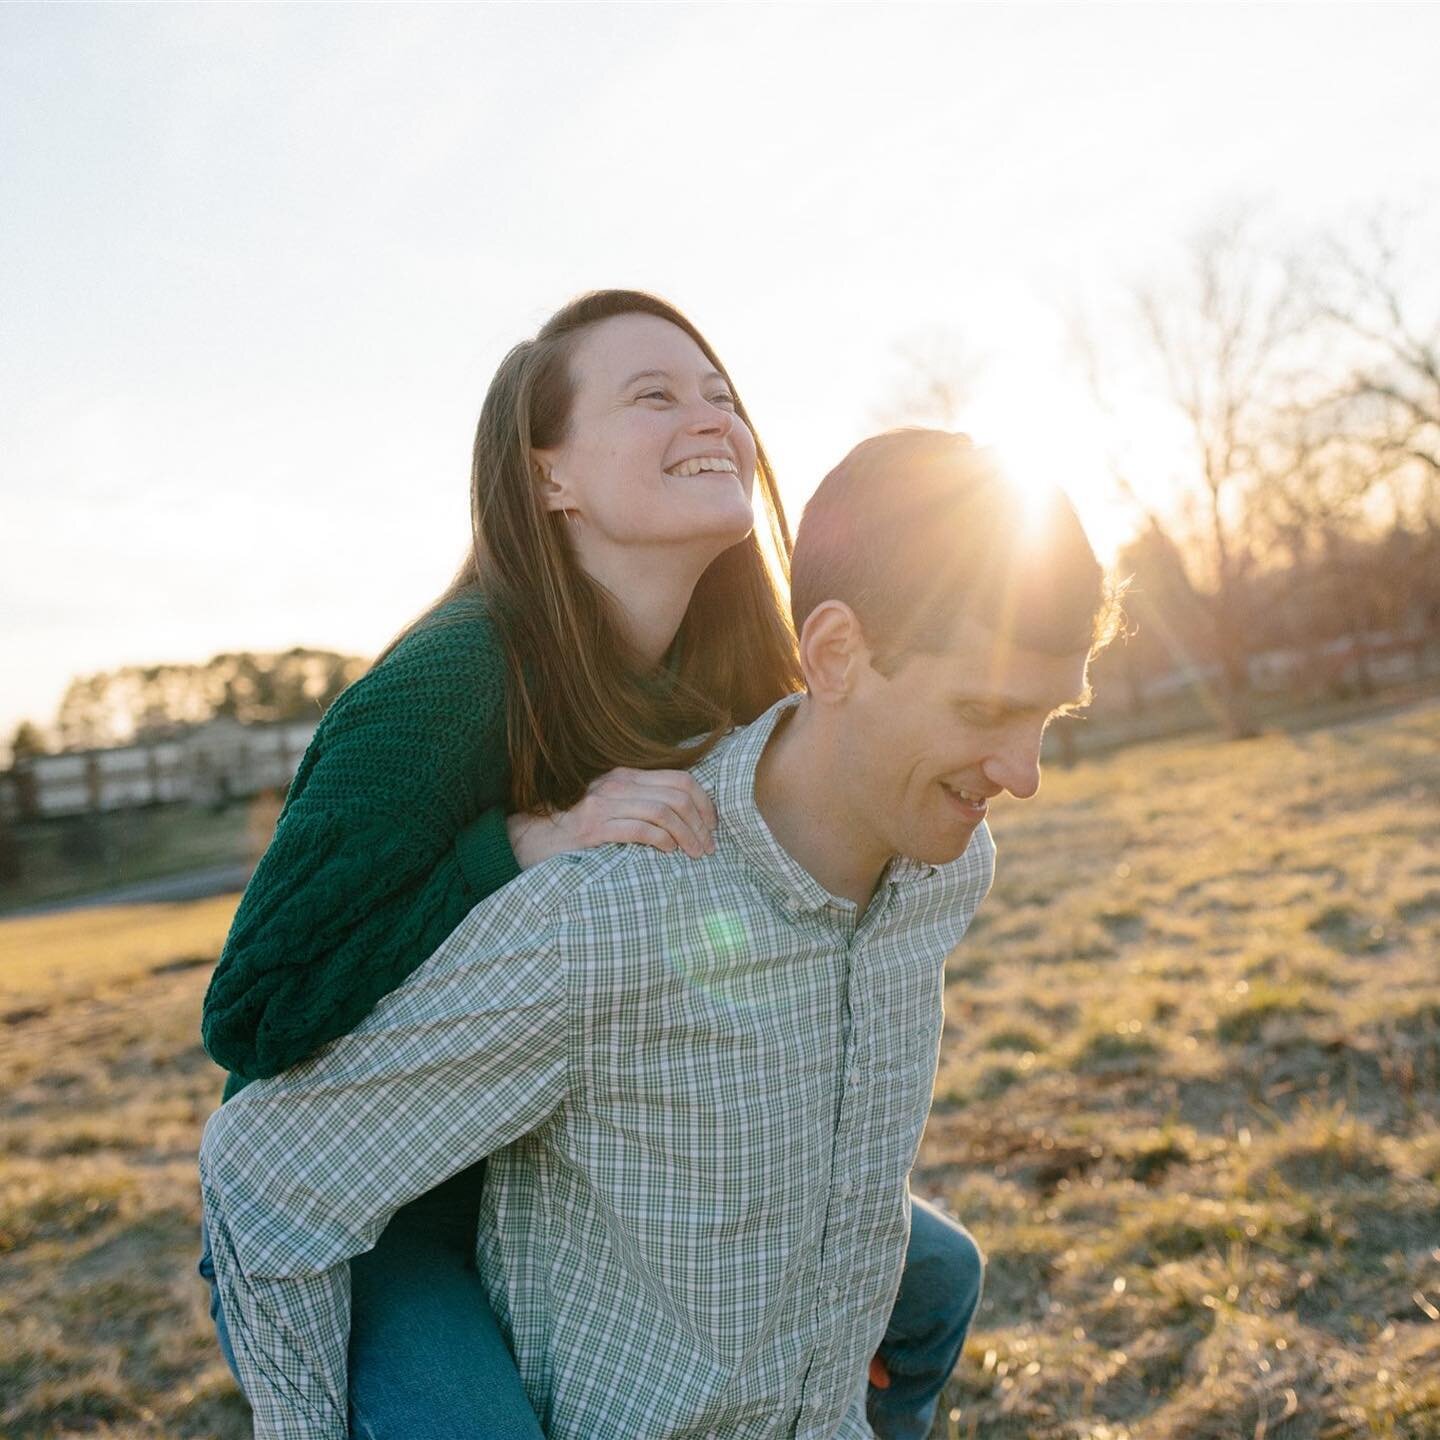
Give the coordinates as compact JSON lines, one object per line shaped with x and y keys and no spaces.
{"x":259,"y":262}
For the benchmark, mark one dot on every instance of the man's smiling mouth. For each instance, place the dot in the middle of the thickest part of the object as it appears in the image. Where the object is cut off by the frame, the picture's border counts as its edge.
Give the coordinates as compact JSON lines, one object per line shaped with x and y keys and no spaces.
{"x":971,"y":800}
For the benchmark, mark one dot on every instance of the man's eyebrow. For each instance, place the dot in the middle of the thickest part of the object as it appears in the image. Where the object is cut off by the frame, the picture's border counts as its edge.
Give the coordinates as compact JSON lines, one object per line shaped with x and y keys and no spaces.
{"x":1011,"y":704}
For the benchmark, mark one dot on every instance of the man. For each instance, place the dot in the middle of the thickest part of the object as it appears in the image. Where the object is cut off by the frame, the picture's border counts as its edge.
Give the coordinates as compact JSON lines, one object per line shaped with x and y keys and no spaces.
{"x":701,"y":1084}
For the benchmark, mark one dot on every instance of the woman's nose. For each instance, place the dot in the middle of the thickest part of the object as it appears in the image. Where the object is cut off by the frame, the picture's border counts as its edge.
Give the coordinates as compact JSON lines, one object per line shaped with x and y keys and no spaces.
{"x":708,"y":419}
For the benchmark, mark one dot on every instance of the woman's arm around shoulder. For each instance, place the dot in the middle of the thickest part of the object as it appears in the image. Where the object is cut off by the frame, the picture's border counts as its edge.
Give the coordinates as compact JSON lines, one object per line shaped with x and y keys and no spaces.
{"x":393,"y":830}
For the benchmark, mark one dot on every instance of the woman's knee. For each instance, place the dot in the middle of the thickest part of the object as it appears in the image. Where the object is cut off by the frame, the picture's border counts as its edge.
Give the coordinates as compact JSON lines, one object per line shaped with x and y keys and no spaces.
{"x":947,"y":1256}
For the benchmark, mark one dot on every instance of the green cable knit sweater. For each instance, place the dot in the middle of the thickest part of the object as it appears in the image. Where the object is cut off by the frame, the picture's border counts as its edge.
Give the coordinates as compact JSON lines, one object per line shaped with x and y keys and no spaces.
{"x":393,"y":830}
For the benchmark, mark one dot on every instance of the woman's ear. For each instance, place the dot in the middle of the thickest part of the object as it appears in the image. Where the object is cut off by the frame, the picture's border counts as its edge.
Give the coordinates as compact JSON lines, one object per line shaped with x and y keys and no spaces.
{"x":832,"y":651}
{"x":553,"y":492}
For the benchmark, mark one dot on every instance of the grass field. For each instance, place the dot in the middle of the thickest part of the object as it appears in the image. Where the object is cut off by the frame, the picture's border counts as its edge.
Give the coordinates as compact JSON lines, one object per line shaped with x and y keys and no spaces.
{"x":1189,"y":1102}
{"x":79,"y":855}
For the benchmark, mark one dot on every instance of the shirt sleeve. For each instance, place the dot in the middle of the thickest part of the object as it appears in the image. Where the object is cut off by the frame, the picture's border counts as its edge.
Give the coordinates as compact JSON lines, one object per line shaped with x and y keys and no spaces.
{"x":393,"y":830}
{"x":302,"y":1172}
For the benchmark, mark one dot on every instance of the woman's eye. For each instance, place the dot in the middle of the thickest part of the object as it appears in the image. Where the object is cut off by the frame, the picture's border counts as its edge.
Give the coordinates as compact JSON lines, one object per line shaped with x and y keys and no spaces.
{"x":654,"y":395}
{"x":723,"y":398}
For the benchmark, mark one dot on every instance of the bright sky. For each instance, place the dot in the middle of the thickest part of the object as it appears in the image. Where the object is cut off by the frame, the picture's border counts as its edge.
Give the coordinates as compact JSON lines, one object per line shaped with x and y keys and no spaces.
{"x":258,"y":263}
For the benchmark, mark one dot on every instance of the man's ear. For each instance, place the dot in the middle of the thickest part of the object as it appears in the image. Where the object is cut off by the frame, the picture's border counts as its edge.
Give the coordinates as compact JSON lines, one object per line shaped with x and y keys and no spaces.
{"x":833,"y":652}
{"x":554,"y":493}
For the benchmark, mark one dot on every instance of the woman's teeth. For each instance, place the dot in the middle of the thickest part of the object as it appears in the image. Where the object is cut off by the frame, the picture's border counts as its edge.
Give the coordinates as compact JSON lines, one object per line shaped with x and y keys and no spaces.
{"x":699,"y":466}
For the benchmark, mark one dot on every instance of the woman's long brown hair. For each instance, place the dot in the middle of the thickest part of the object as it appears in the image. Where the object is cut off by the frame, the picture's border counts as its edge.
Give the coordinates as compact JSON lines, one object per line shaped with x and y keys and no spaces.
{"x":575,"y":704}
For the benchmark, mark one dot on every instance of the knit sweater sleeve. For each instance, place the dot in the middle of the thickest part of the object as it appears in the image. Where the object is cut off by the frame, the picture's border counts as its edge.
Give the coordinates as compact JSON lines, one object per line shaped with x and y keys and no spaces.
{"x":394,"y":829}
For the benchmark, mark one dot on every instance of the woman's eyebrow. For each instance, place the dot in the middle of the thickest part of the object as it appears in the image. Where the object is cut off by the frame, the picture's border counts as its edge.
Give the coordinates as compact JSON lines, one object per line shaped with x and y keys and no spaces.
{"x":665,"y":375}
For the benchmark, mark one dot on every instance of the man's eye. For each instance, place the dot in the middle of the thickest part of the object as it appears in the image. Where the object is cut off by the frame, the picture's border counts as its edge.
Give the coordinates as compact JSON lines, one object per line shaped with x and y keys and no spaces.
{"x":979,"y":715}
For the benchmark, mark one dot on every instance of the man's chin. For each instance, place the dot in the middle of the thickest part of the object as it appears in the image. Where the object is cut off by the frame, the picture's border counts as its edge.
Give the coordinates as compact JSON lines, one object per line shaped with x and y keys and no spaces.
{"x":946,"y":849}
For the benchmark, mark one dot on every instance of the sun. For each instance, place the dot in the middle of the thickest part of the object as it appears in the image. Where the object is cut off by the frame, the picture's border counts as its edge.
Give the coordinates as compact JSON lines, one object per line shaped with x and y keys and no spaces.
{"x":1061,"y":444}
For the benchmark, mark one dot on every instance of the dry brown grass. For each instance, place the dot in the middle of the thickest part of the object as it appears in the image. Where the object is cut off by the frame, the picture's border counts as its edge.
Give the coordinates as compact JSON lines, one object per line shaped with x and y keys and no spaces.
{"x":1188,"y":1100}
{"x":1188,"y":1104}
{"x":103,"y":1326}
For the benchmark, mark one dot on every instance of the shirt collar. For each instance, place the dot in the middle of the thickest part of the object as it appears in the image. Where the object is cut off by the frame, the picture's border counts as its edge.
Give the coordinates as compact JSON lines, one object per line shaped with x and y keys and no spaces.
{"x":729,"y":774}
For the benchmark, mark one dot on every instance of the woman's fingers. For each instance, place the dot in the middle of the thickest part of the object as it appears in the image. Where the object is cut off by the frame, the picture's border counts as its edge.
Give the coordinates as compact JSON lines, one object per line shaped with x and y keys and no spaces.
{"x":667,"y":799}
{"x":648,"y":809}
{"x":663,"y":808}
{"x":639,"y":832}
{"x":684,"y":782}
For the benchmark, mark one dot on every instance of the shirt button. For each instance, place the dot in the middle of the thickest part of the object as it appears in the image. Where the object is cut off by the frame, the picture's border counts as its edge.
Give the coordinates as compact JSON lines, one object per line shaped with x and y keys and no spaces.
{"x":854,"y":1078}
{"x":834,"y":1294}
{"x":845,"y":1188}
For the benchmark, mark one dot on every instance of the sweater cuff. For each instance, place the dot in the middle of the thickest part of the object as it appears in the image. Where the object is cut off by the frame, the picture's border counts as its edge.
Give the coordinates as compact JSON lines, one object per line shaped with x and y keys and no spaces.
{"x":483,"y":847}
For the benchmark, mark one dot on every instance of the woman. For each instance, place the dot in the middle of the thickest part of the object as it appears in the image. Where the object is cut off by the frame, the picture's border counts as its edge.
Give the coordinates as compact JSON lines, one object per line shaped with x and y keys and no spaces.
{"x":616,"y":602}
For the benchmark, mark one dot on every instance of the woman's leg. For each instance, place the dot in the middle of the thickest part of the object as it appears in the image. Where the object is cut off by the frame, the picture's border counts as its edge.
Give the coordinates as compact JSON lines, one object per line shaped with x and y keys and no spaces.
{"x":217,"y":1316}
{"x":939,"y":1293}
{"x":427,"y":1359}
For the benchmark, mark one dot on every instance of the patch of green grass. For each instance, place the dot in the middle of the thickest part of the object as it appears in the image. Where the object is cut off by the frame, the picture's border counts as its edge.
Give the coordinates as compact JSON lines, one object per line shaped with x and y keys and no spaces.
{"x":1322,"y":1150}
{"x":43,"y":1202}
{"x":1125,"y":1046}
{"x":1257,"y":1007}
{"x":1345,"y":927}
{"x":1152,"y":1160}
{"x":76,"y":1403}
{"x":996,"y":1080}
{"x":1418,"y":1020}
{"x":78,"y":855}
{"x":1014,"y":1037}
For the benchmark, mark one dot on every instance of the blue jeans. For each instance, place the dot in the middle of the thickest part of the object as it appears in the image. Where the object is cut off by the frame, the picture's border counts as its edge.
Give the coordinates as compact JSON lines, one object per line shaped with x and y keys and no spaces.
{"x":939,"y":1294}
{"x":428,"y":1361}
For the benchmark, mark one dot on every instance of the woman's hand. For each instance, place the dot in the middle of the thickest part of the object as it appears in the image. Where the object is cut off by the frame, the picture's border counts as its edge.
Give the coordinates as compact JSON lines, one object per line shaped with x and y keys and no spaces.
{"x":663,"y":808}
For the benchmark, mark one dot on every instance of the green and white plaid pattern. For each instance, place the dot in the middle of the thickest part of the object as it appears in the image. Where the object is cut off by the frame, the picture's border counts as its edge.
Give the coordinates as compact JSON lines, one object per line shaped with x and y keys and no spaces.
{"x":701,"y":1085}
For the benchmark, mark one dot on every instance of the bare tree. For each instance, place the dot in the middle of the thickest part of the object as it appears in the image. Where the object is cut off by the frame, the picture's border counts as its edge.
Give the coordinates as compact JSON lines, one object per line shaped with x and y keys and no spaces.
{"x":1315,"y":499}
{"x":1379,"y":298}
{"x":1214,"y":341}
{"x":1393,"y":393}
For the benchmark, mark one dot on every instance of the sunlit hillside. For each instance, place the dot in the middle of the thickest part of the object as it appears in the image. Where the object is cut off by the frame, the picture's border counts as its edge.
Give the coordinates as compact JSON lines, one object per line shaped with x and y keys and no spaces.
{"x":1187,"y":1103}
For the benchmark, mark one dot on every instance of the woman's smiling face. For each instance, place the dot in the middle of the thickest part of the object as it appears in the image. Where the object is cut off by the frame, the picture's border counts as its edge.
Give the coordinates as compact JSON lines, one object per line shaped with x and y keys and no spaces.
{"x":654,"y":453}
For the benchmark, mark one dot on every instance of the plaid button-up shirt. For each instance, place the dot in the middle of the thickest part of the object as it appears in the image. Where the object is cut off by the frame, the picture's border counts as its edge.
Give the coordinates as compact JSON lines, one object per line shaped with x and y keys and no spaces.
{"x":701,"y":1085}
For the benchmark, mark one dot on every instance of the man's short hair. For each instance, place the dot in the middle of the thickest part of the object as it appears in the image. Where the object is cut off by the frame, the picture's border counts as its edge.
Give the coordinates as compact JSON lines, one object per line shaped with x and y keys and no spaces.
{"x":915,"y":528}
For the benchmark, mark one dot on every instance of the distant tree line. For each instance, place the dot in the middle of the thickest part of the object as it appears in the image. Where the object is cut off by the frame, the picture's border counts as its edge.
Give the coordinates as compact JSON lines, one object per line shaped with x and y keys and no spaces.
{"x":139,"y":702}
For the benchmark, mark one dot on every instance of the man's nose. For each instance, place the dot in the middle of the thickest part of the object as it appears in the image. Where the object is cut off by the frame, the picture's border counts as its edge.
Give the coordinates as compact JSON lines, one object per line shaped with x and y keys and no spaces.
{"x":1015,"y":766}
